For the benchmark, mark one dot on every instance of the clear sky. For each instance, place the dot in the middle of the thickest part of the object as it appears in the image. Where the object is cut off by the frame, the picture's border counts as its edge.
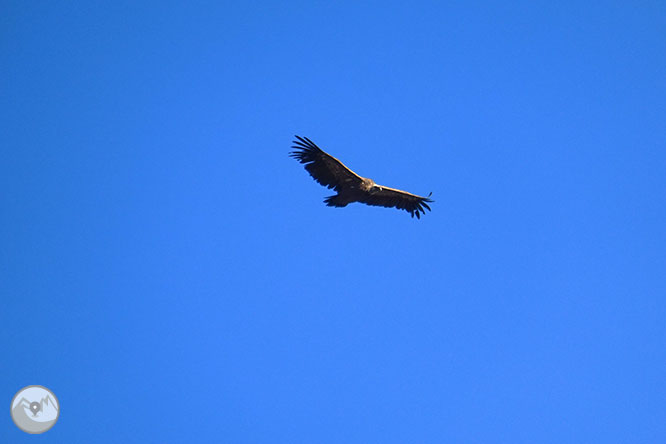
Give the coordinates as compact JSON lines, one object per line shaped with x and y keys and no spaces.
{"x":173,"y":276}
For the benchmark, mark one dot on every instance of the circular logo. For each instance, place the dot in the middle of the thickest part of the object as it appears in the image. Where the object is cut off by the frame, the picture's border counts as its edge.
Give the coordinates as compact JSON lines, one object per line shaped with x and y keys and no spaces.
{"x":35,"y":409}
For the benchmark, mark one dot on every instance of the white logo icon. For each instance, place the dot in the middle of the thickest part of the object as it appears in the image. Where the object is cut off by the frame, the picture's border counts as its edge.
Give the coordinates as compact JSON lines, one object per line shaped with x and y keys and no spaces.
{"x":35,"y":409}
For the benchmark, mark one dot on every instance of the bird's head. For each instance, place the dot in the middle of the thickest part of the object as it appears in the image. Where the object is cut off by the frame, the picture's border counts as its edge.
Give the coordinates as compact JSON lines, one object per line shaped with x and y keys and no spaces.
{"x":369,"y":186}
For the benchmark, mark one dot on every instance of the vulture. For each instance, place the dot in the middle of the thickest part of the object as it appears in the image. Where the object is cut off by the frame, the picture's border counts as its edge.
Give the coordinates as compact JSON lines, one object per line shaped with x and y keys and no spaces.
{"x":331,"y":173}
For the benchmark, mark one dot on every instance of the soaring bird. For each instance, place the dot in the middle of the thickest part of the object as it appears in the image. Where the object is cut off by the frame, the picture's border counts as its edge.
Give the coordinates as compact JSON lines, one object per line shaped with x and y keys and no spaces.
{"x":331,"y":173}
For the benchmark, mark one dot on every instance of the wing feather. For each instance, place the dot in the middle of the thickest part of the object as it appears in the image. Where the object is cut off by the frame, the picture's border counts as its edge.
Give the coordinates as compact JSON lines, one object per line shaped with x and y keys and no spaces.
{"x":402,"y":200}
{"x":324,"y":168}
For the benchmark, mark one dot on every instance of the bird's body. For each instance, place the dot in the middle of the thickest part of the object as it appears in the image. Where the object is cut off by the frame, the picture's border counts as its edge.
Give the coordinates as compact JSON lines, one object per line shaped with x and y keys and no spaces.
{"x":331,"y":173}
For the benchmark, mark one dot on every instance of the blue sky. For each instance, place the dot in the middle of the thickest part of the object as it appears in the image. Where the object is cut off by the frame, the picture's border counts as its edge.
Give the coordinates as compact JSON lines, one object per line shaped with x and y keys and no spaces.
{"x":173,"y":276}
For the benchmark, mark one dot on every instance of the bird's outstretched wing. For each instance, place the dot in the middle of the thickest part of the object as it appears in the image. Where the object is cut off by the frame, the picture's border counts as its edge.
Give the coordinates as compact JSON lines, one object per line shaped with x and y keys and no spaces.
{"x":402,"y":200}
{"x":324,"y":168}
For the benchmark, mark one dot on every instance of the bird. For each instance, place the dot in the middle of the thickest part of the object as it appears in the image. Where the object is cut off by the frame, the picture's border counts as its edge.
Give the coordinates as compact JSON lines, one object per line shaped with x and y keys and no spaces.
{"x":331,"y":173}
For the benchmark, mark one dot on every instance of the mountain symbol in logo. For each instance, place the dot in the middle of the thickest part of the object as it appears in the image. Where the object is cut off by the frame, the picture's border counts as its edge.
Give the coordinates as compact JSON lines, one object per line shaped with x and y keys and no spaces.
{"x":38,"y":407}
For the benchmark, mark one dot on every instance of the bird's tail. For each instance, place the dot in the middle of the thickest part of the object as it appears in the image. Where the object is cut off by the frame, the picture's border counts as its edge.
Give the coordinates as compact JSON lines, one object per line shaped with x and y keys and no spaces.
{"x":335,"y":201}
